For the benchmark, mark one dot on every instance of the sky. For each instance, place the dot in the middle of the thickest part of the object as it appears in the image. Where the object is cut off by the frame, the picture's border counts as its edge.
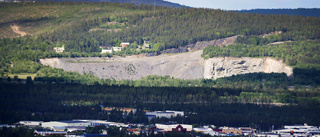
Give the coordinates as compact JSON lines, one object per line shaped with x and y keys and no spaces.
{"x":249,"y":4}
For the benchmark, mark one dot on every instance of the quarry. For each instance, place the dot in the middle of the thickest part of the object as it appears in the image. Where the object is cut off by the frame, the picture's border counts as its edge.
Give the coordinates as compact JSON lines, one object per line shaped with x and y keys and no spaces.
{"x":188,"y":65}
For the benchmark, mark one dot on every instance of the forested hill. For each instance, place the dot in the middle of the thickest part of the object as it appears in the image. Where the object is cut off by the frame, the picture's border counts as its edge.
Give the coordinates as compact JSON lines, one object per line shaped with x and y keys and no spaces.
{"x":315,"y":12}
{"x":136,"y":2}
{"x":149,"y":2}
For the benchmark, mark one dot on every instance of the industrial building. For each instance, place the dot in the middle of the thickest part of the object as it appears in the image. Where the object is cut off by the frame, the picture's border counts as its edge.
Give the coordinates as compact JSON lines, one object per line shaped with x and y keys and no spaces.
{"x":298,"y":130}
{"x":165,"y":114}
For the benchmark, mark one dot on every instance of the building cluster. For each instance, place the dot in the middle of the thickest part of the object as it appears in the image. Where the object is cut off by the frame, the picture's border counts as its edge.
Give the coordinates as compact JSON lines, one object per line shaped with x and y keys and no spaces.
{"x":296,"y":130}
{"x":114,"y":49}
{"x":67,"y":128}
{"x":104,"y":49}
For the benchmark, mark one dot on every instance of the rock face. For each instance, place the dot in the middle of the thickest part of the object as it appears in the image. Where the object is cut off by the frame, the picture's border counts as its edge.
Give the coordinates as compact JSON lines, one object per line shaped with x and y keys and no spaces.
{"x":223,"y":67}
{"x":184,"y":66}
{"x":219,"y":42}
{"x":187,"y":65}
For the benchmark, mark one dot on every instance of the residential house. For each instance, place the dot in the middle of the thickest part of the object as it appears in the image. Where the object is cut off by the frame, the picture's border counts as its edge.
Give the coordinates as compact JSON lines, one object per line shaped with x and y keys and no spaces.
{"x":106,"y":50}
{"x":59,"y":49}
{"x":174,"y":127}
{"x":124,"y":44}
{"x":116,"y":48}
{"x":146,"y":44}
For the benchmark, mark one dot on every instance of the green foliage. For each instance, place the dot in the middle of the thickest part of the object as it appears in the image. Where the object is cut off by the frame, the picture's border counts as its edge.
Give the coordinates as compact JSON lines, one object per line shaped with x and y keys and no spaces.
{"x":25,"y":67}
{"x":47,"y":74}
{"x":201,"y":105}
{"x":292,"y":53}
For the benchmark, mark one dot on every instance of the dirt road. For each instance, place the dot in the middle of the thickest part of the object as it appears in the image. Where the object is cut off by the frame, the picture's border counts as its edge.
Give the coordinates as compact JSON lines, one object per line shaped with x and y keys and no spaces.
{"x":15,"y":29}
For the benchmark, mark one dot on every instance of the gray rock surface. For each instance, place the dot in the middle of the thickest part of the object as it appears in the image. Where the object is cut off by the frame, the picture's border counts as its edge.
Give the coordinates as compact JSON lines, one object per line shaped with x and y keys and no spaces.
{"x":227,"y":66}
{"x":187,"y":65}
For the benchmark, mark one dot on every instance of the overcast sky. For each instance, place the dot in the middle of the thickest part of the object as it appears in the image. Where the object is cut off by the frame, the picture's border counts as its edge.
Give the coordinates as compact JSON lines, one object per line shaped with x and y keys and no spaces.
{"x":249,"y":4}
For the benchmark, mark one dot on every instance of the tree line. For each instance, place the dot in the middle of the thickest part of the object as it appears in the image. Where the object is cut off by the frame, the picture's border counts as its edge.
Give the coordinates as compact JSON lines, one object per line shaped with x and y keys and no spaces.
{"x":202,"y":106}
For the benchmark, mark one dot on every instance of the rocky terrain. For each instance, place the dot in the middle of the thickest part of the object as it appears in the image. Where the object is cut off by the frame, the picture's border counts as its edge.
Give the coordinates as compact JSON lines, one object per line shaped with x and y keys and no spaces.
{"x":200,"y":45}
{"x":187,"y":65}
{"x":227,"y":66}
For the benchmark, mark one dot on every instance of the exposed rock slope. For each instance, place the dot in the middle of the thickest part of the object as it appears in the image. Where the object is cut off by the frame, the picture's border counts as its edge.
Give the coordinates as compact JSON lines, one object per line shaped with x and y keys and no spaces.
{"x":185,"y":66}
{"x":188,"y":65}
{"x":223,"y":67}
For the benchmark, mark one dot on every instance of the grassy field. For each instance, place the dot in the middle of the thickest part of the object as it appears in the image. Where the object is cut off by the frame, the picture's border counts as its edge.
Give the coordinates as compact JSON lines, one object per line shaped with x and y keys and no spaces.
{"x":23,"y":75}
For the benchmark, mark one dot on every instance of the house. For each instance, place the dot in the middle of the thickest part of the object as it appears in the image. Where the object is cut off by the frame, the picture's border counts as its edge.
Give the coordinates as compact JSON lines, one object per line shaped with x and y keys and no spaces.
{"x":146,"y":44}
{"x":174,"y":127}
{"x":59,"y":49}
{"x":106,"y":50}
{"x":116,"y":48}
{"x":179,"y":128}
{"x":124,"y":44}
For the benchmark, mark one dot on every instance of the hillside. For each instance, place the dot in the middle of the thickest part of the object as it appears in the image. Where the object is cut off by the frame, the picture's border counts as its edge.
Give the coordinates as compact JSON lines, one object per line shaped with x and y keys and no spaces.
{"x":136,"y":2}
{"x":81,"y":28}
{"x":235,"y":69}
{"x":150,"y":2}
{"x":315,"y":12}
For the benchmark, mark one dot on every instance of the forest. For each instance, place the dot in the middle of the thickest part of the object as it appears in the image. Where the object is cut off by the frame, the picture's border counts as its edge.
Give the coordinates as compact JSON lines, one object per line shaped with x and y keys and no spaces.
{"x":257,"y":100}
{"x":82,"y":27}
{"x":218,"y":106}
{"x":315,"y":12}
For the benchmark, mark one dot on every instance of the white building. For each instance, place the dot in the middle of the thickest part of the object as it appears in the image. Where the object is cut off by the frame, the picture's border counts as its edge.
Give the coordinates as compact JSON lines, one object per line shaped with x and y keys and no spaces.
{"x":72,"y":123}
{"x":124,"y":44}
{"x":166,"y":114}
{"x":298,"y":130}
{"x":108,"y":50}
{"x":78,"y":124}
{"x":116,"y":48}
{"x":31,"y":123}
{"x":59,"y":49}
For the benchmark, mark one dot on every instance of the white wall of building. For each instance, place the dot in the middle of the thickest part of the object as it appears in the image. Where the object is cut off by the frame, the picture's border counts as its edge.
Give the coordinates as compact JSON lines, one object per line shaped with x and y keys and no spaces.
{"x":53,"y":123}
{"x":30,"y":123}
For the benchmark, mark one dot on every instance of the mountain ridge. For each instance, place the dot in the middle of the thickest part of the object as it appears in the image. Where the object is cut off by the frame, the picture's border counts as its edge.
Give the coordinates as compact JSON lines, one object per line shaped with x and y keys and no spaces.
{"x":135,"y":2}
{"x":314,"y":12}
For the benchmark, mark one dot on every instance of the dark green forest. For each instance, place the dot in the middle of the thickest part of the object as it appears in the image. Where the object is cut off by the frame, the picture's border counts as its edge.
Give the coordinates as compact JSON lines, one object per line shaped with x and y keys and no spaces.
{"x":202,"y":105}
